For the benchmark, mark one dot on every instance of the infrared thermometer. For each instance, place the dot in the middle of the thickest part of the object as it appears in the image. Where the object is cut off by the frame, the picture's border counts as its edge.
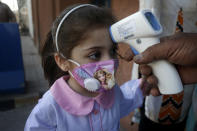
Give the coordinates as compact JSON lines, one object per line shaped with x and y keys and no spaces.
{"x":140,"y":30}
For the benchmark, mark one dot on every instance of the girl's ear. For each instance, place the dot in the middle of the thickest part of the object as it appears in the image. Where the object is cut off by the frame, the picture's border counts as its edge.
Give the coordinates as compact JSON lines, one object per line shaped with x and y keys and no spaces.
{"x":63,"y":64}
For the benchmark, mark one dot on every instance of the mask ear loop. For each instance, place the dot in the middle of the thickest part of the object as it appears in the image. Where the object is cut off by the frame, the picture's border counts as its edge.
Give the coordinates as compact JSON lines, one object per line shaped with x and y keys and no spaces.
{"x":74,"y":63}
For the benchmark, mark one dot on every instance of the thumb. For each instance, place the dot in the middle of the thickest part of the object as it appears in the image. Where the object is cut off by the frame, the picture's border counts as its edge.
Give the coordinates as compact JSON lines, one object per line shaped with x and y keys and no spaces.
{"x":155,"y":52}
{"x":127,"y":55}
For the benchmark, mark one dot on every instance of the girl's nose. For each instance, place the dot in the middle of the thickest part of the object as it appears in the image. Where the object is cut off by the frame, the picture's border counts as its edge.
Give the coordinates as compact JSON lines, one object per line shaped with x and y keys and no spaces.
{"x":106,"y":57}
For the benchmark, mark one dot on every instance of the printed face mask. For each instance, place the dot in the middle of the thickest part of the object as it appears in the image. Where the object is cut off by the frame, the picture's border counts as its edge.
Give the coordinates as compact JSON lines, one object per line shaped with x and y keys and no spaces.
{"x":95,"y":77}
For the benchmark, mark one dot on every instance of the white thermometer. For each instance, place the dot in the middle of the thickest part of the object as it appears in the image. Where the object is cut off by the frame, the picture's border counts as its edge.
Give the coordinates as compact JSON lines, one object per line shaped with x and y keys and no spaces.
{"x":140,"y":30}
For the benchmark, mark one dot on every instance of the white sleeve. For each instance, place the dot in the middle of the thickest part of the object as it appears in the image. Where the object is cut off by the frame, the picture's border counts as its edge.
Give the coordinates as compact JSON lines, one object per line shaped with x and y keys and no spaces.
{"x":131,"y":97}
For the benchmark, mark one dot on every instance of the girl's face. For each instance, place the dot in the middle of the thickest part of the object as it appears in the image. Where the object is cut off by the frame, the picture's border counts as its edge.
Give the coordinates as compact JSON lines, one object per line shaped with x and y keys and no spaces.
{"x":96,"y":47}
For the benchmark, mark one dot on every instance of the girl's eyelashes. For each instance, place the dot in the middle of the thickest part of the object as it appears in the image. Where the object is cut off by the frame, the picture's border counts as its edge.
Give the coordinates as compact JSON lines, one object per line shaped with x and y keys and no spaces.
{"x":96,"y":55}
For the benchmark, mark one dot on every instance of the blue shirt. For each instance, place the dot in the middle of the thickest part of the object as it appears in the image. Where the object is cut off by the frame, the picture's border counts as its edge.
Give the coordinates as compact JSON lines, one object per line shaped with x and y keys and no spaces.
{"x":68,"y":113}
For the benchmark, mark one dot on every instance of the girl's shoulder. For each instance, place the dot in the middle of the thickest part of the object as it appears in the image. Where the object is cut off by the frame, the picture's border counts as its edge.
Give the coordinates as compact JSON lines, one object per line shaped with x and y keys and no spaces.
{"x":43,"y":114}
{"x":47,"y":98}
{"x":46,"y":103}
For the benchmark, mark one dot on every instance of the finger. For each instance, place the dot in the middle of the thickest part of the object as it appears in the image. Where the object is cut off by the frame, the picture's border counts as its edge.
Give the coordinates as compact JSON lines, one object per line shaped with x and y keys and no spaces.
{"x":155,"y":91}
{"x":128,"y":55}
{"x":145,"y":70}
{"x":149,"y":86}
{"x":152,"y":80}
{"x":155,"y":52}
{"x":151,"y":89}
{"x":146,"y":87}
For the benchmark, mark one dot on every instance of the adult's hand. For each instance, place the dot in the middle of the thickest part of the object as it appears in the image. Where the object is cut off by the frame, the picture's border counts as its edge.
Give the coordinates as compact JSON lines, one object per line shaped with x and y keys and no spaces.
{"x":149,"y":81}
{"x":180,"y":49}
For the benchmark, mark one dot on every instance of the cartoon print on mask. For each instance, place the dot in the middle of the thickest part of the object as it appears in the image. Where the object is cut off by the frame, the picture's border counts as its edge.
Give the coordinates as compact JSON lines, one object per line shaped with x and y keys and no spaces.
{"x":106,"y":78}
{"x":82,"y":73}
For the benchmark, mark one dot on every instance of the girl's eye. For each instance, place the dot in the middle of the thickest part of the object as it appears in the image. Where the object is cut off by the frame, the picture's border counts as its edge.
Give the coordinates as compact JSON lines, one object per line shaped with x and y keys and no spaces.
{"x":95,"y":55}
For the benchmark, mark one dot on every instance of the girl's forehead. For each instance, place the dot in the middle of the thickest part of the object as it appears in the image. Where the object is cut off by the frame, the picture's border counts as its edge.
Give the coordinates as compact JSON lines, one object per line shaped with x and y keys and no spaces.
{"x":96,"y":38}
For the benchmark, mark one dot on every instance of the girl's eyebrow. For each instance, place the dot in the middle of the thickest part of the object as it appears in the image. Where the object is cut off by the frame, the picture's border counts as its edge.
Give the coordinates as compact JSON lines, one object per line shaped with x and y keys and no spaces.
{"x":97,"y":47}
{"x":94,"y":47}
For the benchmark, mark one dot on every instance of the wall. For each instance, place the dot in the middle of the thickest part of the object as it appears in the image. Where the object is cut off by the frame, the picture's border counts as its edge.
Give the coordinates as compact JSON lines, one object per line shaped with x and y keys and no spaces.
{"x":44,"y":13}
{"x":122,"y":9}
{"x":30,"y":18}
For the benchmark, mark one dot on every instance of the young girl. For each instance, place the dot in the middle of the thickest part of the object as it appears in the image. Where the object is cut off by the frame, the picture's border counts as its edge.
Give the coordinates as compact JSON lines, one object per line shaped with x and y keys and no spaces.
{"x":77,"y":46}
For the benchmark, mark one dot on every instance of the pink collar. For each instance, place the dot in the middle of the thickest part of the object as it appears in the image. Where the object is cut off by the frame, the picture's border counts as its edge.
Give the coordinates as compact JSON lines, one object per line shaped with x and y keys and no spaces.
{"x":75,"y":103}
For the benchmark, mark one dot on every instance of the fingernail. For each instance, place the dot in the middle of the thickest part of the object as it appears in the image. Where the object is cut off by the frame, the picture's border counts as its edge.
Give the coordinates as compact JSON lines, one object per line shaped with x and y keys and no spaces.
{"x":137,"y":58}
